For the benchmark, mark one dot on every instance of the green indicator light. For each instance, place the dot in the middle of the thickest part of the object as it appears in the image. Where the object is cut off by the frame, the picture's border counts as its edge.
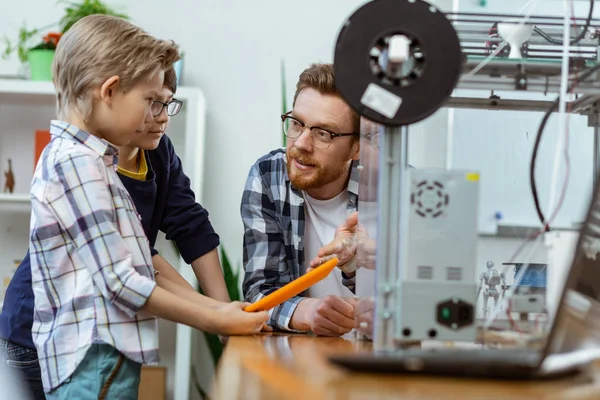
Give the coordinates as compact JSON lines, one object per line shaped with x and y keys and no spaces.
{"x":445,"y":313}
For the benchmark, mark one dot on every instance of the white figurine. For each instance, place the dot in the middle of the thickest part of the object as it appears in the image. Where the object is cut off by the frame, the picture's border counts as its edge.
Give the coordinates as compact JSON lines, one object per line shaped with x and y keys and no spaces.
{"x":492,"y":278}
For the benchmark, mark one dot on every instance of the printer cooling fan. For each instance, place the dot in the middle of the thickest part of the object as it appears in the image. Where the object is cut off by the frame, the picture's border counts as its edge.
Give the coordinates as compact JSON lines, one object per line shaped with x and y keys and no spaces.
{"x":429,"y":199}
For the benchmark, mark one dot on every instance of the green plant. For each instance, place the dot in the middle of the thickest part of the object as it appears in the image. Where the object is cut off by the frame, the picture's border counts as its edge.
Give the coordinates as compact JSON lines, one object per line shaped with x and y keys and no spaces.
{"x":23,"y":44}
{"x":232,"y":283}
{"x":74,"y":11}
{"x":231,"y":277}
{"x":201,"y":392}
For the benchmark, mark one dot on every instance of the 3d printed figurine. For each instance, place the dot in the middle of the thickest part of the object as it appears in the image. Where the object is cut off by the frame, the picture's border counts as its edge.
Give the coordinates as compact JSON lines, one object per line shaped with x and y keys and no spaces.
{"x":491,"y":278}
{"x":9,"y":184}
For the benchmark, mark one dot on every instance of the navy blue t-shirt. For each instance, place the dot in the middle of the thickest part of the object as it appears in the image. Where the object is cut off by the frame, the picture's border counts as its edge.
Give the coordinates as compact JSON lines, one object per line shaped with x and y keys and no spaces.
{"x":165,"y":202}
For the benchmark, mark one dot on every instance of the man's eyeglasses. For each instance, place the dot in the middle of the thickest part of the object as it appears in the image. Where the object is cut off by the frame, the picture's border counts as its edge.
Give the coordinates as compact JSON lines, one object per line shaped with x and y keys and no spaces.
{"x":173,"y":107}
{"x":372,"y":137}
{"x":322,"y":138}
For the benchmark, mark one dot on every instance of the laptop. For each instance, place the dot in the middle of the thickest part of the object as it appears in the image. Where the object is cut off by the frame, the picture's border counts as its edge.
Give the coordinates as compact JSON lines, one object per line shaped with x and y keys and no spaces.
{"x":573,"y":341}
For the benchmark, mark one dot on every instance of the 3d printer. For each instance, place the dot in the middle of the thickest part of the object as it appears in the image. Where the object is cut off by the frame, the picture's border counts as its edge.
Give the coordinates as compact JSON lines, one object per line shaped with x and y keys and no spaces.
{"x":400,"y":70}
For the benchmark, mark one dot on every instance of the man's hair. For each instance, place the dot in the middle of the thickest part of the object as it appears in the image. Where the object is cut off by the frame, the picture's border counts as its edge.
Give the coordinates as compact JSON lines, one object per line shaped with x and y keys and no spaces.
{"x":171,"y":80}
{"x":322,"y":78}
{"x":98,"y":47}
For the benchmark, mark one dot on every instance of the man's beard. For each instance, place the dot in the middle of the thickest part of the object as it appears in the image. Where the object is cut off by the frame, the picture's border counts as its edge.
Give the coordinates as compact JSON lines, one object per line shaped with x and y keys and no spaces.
{"x":319,"y":176}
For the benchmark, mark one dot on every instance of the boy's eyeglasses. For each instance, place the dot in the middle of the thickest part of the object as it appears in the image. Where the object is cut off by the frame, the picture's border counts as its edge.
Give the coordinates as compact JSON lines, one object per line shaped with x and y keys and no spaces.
{"x":173,"y":107}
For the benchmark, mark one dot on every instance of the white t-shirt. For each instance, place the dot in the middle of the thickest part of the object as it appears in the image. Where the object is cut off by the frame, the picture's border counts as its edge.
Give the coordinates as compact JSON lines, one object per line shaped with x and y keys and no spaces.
{"x":322,"y":217}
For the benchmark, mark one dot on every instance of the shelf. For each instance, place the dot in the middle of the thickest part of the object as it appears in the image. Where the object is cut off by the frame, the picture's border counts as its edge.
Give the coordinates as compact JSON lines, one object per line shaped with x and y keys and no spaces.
{"x":22,"y":89}
{"x":580,"y":106}
{"x":15,"y":202}
{"x":22,"y":86}
{"x":18,"y":198}
{"x":28,"y":92}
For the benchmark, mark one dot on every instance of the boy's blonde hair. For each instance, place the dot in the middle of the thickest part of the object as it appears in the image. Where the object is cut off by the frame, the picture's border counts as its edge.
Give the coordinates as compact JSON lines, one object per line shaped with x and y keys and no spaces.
{"x":98,"y":47}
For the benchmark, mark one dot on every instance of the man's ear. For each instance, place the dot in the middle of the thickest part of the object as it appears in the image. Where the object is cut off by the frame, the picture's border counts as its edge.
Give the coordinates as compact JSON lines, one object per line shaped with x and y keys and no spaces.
{"x":108,"y":89}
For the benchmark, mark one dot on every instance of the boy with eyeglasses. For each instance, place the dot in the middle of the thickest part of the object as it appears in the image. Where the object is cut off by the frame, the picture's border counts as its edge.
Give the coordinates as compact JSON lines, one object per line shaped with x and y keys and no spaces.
{"x":153,"y":174}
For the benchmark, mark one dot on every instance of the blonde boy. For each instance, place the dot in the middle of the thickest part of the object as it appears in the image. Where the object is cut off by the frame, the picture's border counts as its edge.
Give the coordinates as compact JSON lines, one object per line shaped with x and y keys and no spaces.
{"x":92,"y":276}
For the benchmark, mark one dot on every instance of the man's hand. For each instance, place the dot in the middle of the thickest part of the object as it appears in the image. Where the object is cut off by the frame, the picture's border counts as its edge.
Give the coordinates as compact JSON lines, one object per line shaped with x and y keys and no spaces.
{"x":365,"y":254}
{"x":363,"y":322}
{"x":329,"y":316}
{"x":343,"y":246}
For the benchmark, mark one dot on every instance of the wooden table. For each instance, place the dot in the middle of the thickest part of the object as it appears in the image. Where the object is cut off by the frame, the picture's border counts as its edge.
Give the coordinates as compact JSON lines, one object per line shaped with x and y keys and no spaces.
{"x":296,"y":367}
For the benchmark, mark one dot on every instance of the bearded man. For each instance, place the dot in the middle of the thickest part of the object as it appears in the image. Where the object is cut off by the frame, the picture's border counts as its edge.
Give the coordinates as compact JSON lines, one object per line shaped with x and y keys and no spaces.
{"x":295,"y":200}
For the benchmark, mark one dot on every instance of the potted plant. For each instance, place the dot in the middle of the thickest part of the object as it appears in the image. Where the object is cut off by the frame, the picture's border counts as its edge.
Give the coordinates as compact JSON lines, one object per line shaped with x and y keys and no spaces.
{"x":40,"y":57}
{"x":74,"y":11}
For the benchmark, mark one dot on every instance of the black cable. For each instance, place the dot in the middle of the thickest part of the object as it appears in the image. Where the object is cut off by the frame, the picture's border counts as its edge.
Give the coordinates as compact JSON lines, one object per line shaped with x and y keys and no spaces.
{"x":538,"y":139}
{"x":576,"y":40}
{"x":536,"y":146}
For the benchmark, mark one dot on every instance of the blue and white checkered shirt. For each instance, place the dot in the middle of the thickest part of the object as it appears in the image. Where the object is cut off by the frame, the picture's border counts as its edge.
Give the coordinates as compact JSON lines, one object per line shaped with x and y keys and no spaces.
{"x":273,"y":215}
{"x":90,"y":259}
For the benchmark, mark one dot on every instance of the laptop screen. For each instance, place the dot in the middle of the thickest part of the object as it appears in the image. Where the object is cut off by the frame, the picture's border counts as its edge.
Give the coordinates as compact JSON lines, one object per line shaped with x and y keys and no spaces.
{"x":577,"y":324}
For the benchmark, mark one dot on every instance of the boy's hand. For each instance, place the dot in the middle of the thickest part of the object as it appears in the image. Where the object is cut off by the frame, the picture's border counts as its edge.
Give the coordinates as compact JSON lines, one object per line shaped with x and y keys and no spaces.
{"x":233,"y":320}
{"x":225,"y":339}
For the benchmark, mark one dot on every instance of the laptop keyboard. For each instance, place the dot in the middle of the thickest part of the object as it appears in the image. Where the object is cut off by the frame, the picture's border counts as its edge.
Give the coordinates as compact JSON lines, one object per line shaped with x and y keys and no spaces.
{"x":511,"y":363}
{"x":512,"y":356}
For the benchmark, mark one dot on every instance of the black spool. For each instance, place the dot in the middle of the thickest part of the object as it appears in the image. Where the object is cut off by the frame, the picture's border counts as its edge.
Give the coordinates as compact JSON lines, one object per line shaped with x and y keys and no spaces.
{"x":437,"y":61}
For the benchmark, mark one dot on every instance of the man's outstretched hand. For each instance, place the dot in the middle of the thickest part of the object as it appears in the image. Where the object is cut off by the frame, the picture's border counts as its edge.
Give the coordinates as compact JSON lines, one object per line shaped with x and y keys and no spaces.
{"x":343,"y":246}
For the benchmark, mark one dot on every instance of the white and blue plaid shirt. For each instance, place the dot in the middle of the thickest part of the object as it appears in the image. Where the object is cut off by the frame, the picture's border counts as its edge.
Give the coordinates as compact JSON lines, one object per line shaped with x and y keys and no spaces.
{"x":90,"y":259}
{"x":273,"y":215}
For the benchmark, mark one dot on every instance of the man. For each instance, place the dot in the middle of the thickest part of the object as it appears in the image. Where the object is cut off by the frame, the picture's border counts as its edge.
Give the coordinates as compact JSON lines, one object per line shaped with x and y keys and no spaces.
{"x":293,"y":202}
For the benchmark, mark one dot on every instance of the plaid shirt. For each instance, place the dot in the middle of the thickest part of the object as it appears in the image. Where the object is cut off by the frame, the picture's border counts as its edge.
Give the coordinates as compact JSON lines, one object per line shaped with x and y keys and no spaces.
{"x":90,"y":259}
{"x":273,"y":215}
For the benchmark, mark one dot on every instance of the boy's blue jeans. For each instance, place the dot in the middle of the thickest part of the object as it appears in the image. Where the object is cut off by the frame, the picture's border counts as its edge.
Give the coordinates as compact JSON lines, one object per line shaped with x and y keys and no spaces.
{"x":24,"y":362}
{"x":104,"y":373}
